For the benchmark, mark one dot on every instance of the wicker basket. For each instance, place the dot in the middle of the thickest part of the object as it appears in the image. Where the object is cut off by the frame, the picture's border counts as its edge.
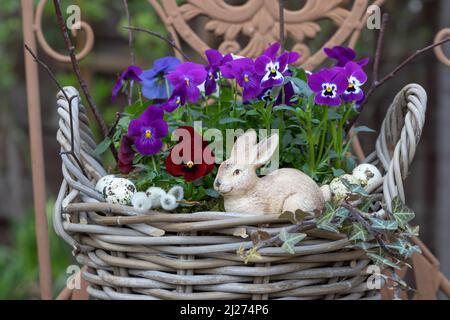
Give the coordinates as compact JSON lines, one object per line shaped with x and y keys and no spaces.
{"x":152,"y":255}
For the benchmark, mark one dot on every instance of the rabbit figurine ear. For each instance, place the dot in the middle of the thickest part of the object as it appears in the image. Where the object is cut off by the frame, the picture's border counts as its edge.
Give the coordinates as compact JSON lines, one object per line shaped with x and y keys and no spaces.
{"x":244,"y":150}
{"x":266,"y":149}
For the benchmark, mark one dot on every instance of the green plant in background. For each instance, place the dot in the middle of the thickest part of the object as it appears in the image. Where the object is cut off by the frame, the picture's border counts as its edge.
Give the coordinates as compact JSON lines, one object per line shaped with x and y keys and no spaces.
{"x":19,"y":278}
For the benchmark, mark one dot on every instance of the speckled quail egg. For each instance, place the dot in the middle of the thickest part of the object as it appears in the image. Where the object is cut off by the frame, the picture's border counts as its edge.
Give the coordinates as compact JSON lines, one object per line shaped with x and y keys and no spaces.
{"x":367,"y":174}
{"x":155,"y":194}
{"x":119,"y":191}
{"x":339,"y":190}
{"x":139,"y":200}
{"x":103,"y":182}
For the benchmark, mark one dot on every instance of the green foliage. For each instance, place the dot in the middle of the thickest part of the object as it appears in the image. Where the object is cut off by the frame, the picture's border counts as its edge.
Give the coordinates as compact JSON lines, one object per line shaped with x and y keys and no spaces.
{"x":19,"y":264}
{"x":290,"y":240}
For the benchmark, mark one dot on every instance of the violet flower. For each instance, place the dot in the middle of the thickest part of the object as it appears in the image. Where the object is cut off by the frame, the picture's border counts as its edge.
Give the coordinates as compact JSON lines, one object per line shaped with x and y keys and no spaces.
{"x":343,"y":55}
{"x":243,"y":70}
{"x":131,"y":73}
{"x":328,"y":85}
{"x":215,"y":61}
{"x":186,"y":77}
{"x":356,"y":77}
{"x":271,"y":68}
{"x":177,"y":99}
{"x":153,"y":80}
{"x":148,"y":130}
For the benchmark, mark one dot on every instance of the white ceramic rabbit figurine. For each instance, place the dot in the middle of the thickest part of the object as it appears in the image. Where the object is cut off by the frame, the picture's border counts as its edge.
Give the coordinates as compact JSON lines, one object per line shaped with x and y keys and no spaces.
{"x":281,"y":190}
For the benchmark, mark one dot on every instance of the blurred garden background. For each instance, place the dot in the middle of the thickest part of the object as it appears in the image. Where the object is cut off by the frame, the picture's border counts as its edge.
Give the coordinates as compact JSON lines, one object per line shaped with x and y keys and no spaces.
{"x":413,"y":25}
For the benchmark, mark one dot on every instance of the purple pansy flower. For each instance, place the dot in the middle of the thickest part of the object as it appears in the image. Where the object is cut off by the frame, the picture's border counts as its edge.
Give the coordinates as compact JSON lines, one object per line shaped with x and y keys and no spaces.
{"x":328,"y":84}
{"x":186,"y":77}
{"x":356,"y":77}
{"x":243,"y":70}
{"x":131,"y":73}
{"x":272,"y":68}
{"x":177,"y":99}
{"x":153,"y":80}
{"x":148,"y":130}
{"x":343,"y":55}
{"x":215,"y":62}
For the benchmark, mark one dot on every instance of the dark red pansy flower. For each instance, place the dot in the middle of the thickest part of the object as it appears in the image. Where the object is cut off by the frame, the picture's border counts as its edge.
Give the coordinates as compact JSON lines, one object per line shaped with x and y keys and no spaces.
{"x":190,"y":158}
{"x":126,"y":155}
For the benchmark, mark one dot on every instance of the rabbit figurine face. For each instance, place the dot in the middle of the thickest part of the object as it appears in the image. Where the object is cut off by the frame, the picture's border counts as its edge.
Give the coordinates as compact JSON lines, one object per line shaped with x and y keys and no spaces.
{"x":281,"y":190}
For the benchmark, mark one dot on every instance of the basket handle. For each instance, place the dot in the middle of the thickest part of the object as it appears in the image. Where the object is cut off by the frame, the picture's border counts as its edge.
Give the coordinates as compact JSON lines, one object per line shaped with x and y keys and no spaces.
{"x":80,"y":168}
{"x":399,"y":136}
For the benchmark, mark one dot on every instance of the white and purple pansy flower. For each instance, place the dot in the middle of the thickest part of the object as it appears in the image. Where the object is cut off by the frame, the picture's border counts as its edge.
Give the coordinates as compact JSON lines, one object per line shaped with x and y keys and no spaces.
{"x":328,"y":85}
{"x":148,"y":130}
{"x":271,"y":68}
{"x":356,"y":77}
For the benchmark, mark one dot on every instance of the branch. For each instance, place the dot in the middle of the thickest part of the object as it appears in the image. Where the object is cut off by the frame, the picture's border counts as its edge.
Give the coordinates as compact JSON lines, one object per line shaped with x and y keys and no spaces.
{"x":130,"y":45}
{"x":282,"y":24}
{"x":357,"y":216}
{"x":76,"y":69}
{"x":161,"y":37}
{"x":274,"y":239}
{"x":69,"y":101}
{"x":376,"y":67}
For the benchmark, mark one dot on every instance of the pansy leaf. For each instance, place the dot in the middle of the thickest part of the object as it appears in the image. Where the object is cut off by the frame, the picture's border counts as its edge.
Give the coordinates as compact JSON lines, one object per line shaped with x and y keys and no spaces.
{"x":227,"y":120}
{"x":102,"y":146}
{"x":284,"y":107}
{"x":384,"y":224}
{"x":300,"y":87}
{"x":333,"y":115}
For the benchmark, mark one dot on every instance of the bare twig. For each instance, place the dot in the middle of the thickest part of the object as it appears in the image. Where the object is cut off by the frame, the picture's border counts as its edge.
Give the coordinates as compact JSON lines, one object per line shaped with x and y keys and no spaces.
{"x":274,"y":239}
{"x":116,"y":122}
{"x":130,"y":44}
{"x":376,"y":66}
{"x":69,"y":101}
{"x":159,"y":36}
{"x":76,"y":69}
{"x":282,"y":25}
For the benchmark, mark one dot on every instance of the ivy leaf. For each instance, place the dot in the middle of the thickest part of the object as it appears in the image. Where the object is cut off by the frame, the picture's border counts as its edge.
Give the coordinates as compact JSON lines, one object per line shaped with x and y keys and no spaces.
{"x":362,"y":129}
{"x":259,"y":236}
{"x":380,"y":260}
{"x":402,"y":213}
{"x":290,"y":240}
{"x":411,"y":231}
{"x":337,"y":172}
{"x":327,"y":226}
{"x":355,"y":188}
{"x":296,"y":217}
{"x":359,"y":233}
{"x":379,"y":224}
{"x":102,"y":146}
{"x":212,"y":193}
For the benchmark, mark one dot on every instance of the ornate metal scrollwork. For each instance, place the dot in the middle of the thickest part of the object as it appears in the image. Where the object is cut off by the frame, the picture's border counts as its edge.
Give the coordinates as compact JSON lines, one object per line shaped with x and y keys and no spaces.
{"x":444,"y":33}
{"x":89,"y":39}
